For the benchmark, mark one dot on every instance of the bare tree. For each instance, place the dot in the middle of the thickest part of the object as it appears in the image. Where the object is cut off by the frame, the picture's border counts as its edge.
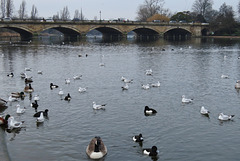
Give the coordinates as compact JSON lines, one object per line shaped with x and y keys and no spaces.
{"x":150,"y":8}
{"x":203,"y":7}
{"x":34,"y":12}
{"x":238,"y":7}
{"x":22,"y":10}
{"x":79,"y":15}
{"x":65,"y":15}
{"x":9,"y":8}
{"x":56,"y":17}
{"x":3,"y":4}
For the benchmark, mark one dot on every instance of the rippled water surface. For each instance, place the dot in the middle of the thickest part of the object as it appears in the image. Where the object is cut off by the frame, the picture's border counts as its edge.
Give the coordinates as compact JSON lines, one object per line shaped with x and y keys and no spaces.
{"x":180,"y":132}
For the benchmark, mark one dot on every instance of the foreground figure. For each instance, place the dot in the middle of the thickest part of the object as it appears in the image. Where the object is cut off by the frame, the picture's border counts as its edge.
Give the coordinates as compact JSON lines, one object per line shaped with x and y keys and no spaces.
{"x":96,"y":149}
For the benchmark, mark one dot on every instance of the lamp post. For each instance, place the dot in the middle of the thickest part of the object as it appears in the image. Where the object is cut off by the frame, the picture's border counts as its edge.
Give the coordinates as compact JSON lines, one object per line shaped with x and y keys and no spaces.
{"x":100,"y":16}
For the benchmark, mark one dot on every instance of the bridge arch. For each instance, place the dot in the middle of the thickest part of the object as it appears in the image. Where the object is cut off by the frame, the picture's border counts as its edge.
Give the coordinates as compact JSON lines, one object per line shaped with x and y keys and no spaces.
{"x":24,"y":33}
{"x":146,"y":33}
{"x":177,"y":34}
{"x":111,"y":33}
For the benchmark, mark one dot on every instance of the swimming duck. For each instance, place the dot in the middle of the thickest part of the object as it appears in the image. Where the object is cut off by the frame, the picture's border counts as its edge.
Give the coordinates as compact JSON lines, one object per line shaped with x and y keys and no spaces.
{"x":81,"y":89}
{"x":20,"y":110}
{"x":10,"y":75}
{"x":96,"y":149}
{"x":4,"y":121}
{"x":28,"y":80}
{"x":34,"y":105}
{"x":98,"y":107}
{"x":53,"y":86}
{"x":224,"y":76}
{"x":138,"y":138}
{"x":186,"y":100}
{"x":18,"y":94}
{"x":23,"y":75}
{"x":45,"y":113}
{"x":151,"y":151}
{"x":28,"y":69}
{"x":2,"y":102}
{"x":156,"y":84}
{"x":237,"y":85}
{"x":77,"y":77}
{"x":40,"y":119}
{"x":28,"y":88}
{"x":13,"y":124}
{"x":149,"y":111}
{"x":224,"y":117}
{"x":204,"y":111}
{"x":39,"y":72}
{"x":68,"y":97}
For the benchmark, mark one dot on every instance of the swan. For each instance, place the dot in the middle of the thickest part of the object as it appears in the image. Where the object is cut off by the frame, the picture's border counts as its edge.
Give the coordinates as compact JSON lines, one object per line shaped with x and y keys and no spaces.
{"x":151,"y":151}
{"x":224,"y":117}
{"x":96,"y":149}
{"x":98,"y":107}
{"x":138,"y":138}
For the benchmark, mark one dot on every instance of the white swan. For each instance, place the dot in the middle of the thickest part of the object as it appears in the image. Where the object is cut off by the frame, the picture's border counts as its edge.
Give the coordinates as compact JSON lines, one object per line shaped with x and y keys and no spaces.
{"x":224,"y":117}
{"x":96,"y":149}
{"x":98,"y":107}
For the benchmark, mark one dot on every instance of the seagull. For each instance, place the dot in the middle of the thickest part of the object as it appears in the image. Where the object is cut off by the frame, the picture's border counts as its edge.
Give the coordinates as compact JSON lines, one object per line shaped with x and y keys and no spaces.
{"x":12,"y":124}
{"x":60,"y":92}
{"x":224,"y":117}
{"x":40,"y":119}
{"x":20,"y":110}
{"x":204,"y":111}
{"x":36,"y":98}
{"x":67,"y":81}
{"x":151,"y":151}
{"x":156,"y":84}
{"x":125,"y":87}
{"x":128,"y":80}
{"x":149,"y":72}
{"x":98,"y":107}
{"x":138,"y":138}
{"x":186,"y":100}
{"x":147,"y":86}
{"x":77,"y":77}
{"x":149,"y":111}
{"x":123,"y":78}
{"x":12,"y":99}
{"x":81,"y":89}
{"x":224,"y":76}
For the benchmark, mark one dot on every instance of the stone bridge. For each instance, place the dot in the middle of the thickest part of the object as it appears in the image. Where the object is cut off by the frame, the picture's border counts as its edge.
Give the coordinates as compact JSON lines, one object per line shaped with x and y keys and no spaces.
{"x":78,"y":29}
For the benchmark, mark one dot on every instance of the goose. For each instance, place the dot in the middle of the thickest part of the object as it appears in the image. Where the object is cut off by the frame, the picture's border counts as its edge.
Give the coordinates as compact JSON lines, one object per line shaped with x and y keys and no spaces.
{"x":149,"y":111}
{"x":149,"y":72}
{"x":36,"y":98}
{"x":224,"y":76}
{"x":98,"y":107}
{"x":4,"y":121}
{"x":61,"y":92}
{"x":18,"y":94}
{"x":40,"y":119}
{"x":67,"y":81}
{"x":34,"y":105}
{"x":45,"y":113}
{"x":237,"y":85}
{"x":10,"y":75}
{"x":53,"y":86}
{"x":96,"y":149}
{"x":151,"y":151}
{"x":186,"y":100}
{"x":68,"y":97}
{"x":147,"y":86}
{"x":224,"y":117}
{"x":13,"y":124}
{"x":20,"y":110}
{"x":156,"y":84}
{"x":28,"y":88}
{"x":77,"y":77}
{"x":204,"y":111}
{"x":81,"y":89}
{"x":138,"y":138}
{"x":125,"y":87}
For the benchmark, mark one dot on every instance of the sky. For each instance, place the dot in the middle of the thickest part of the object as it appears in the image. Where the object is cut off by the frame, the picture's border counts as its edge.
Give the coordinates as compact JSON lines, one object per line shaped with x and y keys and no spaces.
{"x":110,"y":9}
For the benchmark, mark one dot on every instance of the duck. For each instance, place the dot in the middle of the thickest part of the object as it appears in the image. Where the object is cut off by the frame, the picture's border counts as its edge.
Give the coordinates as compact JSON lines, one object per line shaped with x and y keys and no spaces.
{"x":53,"y":86}
{"x":151,"y":151}
{"x":39,"y":72}
{"x":67,"y":81}
{"x":237,"y":85}
{"x":186,"y":100}
{"x":23,"y":75}
{"x":68,"y":97}
{"x":12,"y":99}
{"x":138,"y":138}
{"x":224,"y":117}
{"x":10,"y":75}
{"x":36,"y":97}
{"x":60,"y":92}
{"x":77,"y":77}
{"x":3,"y":102}
{"x":98,"y":107}
{"x":123,"y":78}
{"x":224,"y":76}
{"x":28,"y":80}
{"x":149,"y":72}
{"x":18,"y":95}
{"x":40,"y":119}
{"x":20,"y":110}
{"x":28,"y":69}
{"x":128,"y":80}
{"x":156,"y":84}
{"x":149,"y":111}
{"x":81,"y":89}
{"x":13,"y":124}
{"x":28,"y":88}
{"x":96,"y":148}
{"x":204,"y":111}
{"x":34,"y":104}
{"x":125,"y":87}
{"x":45,"y":113}
{"x":4,"y":121}
{"x":145,"y":86}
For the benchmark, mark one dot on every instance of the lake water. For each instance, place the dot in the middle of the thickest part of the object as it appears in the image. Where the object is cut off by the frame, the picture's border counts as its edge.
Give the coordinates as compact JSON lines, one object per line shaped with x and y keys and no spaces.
{"x":192,"y":68}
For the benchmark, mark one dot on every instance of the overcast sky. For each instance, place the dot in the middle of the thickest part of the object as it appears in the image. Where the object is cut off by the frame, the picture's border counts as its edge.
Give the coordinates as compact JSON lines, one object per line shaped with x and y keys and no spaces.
{"x":110,"y":9}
